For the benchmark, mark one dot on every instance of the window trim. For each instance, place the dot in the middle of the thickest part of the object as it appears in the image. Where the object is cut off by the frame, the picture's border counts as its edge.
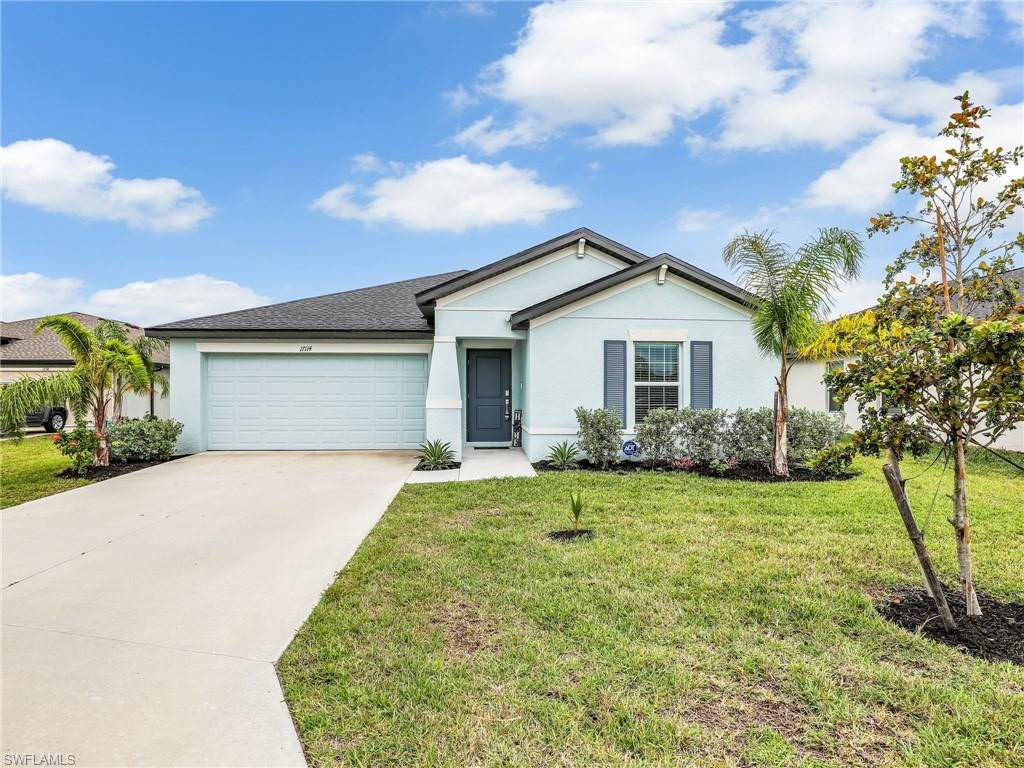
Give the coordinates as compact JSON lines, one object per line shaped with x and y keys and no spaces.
{"x":677,"y":384}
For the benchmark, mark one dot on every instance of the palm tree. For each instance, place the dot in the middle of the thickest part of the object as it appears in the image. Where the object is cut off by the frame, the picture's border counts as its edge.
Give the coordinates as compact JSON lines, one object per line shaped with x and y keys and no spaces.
{"x":145,"y":347}
{"x":102,"y":359}
{"x":794,"y":293}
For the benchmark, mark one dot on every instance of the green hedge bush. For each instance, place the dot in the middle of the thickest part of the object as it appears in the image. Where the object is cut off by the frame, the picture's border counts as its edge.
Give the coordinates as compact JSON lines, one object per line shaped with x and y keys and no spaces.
{"x":144,"y":439}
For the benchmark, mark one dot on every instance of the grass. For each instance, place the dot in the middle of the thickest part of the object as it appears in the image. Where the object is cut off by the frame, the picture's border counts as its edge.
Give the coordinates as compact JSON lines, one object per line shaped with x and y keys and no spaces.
{"x":708,"y":623}
{"x":28,"y":470}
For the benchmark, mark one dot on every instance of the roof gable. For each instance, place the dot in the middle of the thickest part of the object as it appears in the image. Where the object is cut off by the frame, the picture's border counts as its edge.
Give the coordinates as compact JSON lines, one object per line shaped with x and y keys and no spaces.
{"x":426,"y":298}
{"x":672,"y":265}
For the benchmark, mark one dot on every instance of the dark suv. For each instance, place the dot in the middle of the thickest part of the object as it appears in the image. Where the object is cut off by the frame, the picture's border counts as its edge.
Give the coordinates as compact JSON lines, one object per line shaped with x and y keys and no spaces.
{"x":52,"y":418}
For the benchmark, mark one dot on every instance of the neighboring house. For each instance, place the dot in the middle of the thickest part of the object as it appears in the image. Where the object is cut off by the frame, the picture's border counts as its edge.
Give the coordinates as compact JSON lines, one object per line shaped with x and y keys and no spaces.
{"x":807,"y":388}
{"x":578,"y":320}
{"x":25,"y":353}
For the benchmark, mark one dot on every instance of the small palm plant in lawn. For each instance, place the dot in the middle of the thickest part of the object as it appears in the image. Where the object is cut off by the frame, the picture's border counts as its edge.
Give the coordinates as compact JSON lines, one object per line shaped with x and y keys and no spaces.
{"x":105,"y":364}
{"x":436,"y":454}
{"x":564,"y":455}
{"x":577,"y":505}
{"x":793,"y":294}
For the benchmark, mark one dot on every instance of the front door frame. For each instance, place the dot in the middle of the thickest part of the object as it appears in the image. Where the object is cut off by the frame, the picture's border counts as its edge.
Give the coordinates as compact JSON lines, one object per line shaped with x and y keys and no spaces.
{"x":504,"y":437}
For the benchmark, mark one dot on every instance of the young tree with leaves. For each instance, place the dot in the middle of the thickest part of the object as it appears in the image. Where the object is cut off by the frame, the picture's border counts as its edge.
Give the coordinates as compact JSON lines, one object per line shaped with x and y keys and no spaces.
{"x":944,"y":351}
{"x":794,"y":293}
{"x":102,"y":359}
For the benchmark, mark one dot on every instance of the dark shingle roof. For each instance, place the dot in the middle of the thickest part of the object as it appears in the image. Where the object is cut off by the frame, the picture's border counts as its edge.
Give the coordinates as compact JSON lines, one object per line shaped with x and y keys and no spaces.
{"x":22,"y":345}
{"x":378,"y":311}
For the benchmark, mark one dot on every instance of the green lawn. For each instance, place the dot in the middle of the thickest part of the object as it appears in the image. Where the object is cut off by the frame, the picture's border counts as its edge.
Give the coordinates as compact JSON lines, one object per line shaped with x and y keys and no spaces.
{"x":708,"y":623}
{"x":28,"y":470}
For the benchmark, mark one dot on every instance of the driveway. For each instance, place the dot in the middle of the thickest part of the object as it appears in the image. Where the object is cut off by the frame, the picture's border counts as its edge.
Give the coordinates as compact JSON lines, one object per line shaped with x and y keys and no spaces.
{"x":142,"y":615}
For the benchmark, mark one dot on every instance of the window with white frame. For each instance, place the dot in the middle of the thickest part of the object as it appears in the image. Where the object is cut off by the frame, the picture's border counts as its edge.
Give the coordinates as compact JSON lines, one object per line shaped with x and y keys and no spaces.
{"x":655,"y":377}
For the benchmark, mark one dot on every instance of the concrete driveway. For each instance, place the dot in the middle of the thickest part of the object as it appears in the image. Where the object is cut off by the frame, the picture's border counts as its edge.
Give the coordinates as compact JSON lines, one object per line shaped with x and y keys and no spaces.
{"x":142,"y":615}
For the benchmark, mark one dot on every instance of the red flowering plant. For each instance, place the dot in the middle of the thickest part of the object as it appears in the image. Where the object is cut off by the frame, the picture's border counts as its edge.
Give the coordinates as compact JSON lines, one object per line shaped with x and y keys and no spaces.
{"x":79,"y":445}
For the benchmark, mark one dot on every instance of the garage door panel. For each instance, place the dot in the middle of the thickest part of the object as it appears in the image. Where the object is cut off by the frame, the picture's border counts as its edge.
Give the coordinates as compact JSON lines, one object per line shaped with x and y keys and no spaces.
{"x":315,"y":402}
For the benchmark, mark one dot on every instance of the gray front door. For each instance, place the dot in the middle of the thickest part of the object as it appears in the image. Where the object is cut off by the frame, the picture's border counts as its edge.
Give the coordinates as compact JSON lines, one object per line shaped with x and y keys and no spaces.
{"x":488,"y":393}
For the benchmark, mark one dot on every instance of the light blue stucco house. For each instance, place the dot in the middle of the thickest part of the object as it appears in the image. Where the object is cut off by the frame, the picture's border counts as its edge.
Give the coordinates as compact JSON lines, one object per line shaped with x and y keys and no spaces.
{"x":487,"y":357}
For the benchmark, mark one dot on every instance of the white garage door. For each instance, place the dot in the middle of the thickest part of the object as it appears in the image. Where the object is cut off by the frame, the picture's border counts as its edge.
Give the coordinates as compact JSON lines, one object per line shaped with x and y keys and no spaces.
{"x":310,"y":402}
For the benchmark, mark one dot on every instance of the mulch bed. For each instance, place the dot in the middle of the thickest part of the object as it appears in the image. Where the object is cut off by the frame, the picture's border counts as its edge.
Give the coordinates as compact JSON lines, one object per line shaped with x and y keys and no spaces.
{"x":996,"y":635}
{"x":113,"y":470}
{"x":751,"y":472}
{"x":421,"y":468}
{"x":571,"y":535}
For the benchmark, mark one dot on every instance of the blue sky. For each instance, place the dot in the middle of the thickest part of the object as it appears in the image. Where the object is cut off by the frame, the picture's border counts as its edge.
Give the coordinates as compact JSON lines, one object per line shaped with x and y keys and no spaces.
{"x":169,"y":160}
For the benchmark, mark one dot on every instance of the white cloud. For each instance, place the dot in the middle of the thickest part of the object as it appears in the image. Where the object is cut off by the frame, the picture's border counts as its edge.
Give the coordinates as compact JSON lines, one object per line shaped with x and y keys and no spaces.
{"x":143,"y":303}
{"x":804,"y":74}
{"x":33,"y":295}
{"x":449,"y":195}
{"x":1013,"y":11}
{"x":53,"y":175}
{"x":847,"y":67}
{"x":862,"y":183}
{"x":855,"y":296}
{"x":484,"y":136}
{"x":698,"y":219}
{"x":628,"y":70}
{"x":458,"y":98}
{"x":367,"y":162}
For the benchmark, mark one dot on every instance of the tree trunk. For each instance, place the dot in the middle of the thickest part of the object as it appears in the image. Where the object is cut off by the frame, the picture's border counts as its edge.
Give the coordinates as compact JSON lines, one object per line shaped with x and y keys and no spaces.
{"x":102,"y":458}
{"x":780,"y":464}
{"x":894,"y":478}
{"x":962,"y":526}
{"x":152,"y":393}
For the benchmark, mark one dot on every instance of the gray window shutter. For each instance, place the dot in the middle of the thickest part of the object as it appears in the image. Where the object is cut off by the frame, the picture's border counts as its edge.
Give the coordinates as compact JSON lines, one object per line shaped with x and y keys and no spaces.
{"x":701,"y":378}
{"x":615,"y":378}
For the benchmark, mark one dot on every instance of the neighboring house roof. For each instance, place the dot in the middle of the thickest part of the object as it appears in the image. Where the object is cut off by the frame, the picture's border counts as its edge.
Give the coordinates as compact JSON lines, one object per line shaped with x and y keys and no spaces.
{"x":375,"y":312}
{"x":19,"y":342}
{"x":521,"y":319}
{"x":426,"y":298}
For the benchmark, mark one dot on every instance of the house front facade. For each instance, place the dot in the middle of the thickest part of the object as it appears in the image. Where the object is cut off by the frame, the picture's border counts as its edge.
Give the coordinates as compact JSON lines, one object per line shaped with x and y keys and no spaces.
{"x":489,"y":357}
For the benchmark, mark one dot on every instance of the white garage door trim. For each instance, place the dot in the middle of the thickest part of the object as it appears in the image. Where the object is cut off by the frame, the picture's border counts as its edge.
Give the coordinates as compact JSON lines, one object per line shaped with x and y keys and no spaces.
{"x":313,"y":348}
{"x":315,"y":401}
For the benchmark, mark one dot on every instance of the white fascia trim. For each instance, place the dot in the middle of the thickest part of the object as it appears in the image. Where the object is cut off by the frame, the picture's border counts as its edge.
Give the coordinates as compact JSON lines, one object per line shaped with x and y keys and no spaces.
{"x":506,"y":310}
{"x":663,"y":334}
{"x":489,"y":343}
{"x":445,"y":404}
{"x":315,"y":347}
{"x":566,"y":431}
{"x":568,"y":251}
{"x":444,"y":339}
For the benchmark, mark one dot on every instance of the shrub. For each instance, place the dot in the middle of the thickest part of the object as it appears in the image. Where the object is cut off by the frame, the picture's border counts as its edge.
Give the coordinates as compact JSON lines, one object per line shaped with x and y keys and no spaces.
{"x":144,"y":439}
{"x":720,"y":467}
{"x":749,"y":436}
{"x":436,"y":454}
{"x":563,"y":455}
{"x":79,"y":445}
{"x":599,"y":433}
{"x":685,"y":463}
{"x":702,"y":433}
{"x":656,"y":436}
{"x":810,"y":432}
{"x":833,"y":461}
